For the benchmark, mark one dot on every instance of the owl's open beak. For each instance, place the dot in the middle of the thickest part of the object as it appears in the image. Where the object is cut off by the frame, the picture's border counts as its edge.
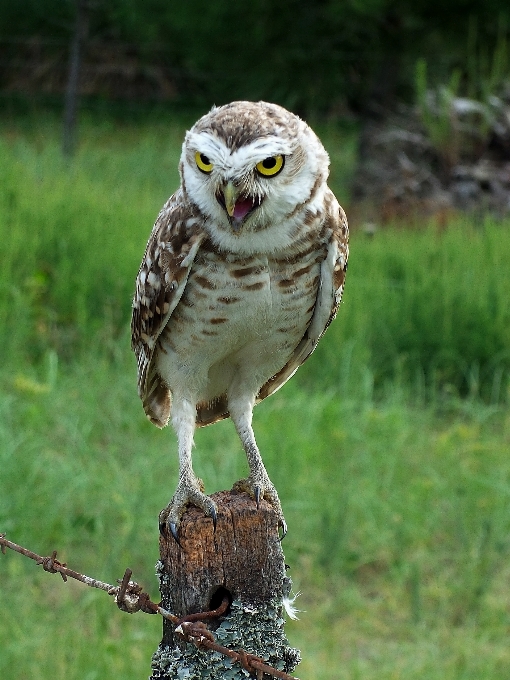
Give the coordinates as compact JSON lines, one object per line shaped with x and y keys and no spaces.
{"x":236,"y":205}
{"x":230,"y":197}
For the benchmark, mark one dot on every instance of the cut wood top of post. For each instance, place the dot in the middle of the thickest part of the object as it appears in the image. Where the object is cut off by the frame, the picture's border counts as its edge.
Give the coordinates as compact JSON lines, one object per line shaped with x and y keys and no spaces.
{"x":243,"y":556}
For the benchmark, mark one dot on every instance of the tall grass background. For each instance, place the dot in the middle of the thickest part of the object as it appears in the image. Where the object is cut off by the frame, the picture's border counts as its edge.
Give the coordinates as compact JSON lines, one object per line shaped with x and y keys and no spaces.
{"x":389,"y":448}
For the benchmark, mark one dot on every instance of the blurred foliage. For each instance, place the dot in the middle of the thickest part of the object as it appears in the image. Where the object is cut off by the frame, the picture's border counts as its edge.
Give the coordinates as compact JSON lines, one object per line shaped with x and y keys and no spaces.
{"x":426,"y":309}
{"x":319,"y":55}
{"x":459,"y":116}
{"x":488,"y":68}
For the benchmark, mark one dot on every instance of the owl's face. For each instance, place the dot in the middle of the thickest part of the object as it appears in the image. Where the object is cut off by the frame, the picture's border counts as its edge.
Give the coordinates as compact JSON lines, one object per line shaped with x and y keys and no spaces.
{"x":249,"y":167}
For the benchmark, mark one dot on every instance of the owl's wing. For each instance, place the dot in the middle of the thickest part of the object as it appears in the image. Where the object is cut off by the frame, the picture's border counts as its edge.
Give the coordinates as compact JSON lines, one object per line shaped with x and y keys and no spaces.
{"x":332,"y":277}
{"x":171,"y":249}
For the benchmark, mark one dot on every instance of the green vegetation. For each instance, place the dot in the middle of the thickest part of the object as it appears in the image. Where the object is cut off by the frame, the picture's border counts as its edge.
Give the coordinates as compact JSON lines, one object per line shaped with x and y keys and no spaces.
{"x":389,"y":448}
{"x":460,"y":129}
{"x":322,"y":56}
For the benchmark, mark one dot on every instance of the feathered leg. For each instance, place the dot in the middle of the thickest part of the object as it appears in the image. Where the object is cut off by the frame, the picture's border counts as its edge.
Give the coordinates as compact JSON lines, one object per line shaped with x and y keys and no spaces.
{"x":189,"y":489}
{"x":257,"y":484}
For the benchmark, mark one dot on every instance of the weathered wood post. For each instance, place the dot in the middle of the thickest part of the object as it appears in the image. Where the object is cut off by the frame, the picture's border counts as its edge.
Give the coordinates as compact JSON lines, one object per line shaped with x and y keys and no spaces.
{"x":243,"y":561}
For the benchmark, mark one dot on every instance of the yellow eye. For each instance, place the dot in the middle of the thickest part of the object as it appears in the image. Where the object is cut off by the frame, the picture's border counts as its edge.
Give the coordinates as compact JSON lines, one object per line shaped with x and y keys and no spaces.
{"x":203,"y":162}
{"x":271,"y":166}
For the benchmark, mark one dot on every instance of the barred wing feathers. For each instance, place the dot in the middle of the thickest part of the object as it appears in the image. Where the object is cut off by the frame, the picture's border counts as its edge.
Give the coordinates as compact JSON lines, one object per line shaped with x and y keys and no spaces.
{"x":167,"y":261}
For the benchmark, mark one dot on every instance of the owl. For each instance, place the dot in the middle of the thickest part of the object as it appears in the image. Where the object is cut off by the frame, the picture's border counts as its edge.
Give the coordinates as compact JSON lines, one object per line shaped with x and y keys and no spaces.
{"x":243,"y":272}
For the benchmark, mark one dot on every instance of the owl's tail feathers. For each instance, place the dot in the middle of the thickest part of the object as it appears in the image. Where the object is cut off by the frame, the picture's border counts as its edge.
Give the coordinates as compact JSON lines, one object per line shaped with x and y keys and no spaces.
{"x":157,"y":402}
{"x":211,"y":411}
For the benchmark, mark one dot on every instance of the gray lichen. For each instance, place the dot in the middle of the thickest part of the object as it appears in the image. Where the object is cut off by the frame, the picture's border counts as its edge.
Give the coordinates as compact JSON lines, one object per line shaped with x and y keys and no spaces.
{"x":258,"y":631}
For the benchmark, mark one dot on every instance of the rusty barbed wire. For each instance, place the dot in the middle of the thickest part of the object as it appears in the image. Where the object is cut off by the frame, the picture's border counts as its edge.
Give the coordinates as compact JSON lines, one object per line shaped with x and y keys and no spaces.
{"x":130,"y":597}
{"x":201,"y":636}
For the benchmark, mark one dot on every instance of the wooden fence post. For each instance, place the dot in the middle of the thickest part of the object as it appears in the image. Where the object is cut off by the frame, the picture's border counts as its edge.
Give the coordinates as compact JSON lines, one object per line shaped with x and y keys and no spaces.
{"x":81,"y":23}
{"x":242,"y":560}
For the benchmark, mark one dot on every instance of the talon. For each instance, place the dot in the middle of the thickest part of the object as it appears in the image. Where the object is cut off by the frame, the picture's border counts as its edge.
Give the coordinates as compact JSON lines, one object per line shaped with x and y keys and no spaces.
{"x":256,"y":492}
{"x":189,"y":492}
{"x":283,"y":525}
{"x":173,"y":530}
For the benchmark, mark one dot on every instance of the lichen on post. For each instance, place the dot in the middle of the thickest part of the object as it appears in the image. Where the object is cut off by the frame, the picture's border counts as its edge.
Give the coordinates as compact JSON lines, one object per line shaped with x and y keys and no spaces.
{"x":243,"y":561}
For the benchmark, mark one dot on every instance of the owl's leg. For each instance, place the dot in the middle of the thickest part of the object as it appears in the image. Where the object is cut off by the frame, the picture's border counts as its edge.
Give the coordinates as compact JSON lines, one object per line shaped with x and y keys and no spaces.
{"x":189,"y":489}
{"x":257,"y":483}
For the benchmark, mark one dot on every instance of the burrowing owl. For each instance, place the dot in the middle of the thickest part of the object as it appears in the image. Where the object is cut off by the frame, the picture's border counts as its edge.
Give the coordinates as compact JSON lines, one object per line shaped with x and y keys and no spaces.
{"x":242,"y":274}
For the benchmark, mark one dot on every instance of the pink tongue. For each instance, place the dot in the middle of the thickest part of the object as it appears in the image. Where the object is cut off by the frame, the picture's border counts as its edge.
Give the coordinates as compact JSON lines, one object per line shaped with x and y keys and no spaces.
{"x":242,"y":208}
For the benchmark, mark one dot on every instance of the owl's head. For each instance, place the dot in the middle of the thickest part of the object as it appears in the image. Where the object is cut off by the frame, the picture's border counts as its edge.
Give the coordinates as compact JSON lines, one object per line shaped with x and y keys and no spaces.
{"x":251,"y":168}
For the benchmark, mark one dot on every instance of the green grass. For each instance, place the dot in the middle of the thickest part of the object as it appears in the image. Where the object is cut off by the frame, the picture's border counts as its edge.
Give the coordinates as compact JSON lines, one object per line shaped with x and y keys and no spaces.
{"x":389,"y":449}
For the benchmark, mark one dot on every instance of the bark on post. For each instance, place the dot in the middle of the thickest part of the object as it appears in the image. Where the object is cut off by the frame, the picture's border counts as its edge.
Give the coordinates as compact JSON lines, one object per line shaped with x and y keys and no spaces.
{"x":243,"y":559}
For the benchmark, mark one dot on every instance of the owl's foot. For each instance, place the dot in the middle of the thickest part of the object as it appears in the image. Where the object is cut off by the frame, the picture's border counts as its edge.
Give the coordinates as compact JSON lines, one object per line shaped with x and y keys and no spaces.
{"x":260,"y":486}
{"x":190,"y":491}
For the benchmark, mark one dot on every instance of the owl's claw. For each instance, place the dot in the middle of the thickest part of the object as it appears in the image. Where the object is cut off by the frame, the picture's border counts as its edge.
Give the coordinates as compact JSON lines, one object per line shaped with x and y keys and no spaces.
{"x":260,"y":486}
{"x":189,"y":492}
{"x":173,"y":530}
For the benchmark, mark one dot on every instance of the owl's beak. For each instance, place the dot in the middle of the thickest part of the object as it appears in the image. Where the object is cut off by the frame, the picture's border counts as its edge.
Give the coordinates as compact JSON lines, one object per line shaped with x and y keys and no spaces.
{"x":236,"y":204}
{"x":230,"y":197}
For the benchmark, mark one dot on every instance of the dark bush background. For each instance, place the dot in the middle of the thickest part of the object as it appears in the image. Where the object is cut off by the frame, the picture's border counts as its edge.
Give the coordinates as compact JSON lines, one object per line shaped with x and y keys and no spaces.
{"x":322,"y":56}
